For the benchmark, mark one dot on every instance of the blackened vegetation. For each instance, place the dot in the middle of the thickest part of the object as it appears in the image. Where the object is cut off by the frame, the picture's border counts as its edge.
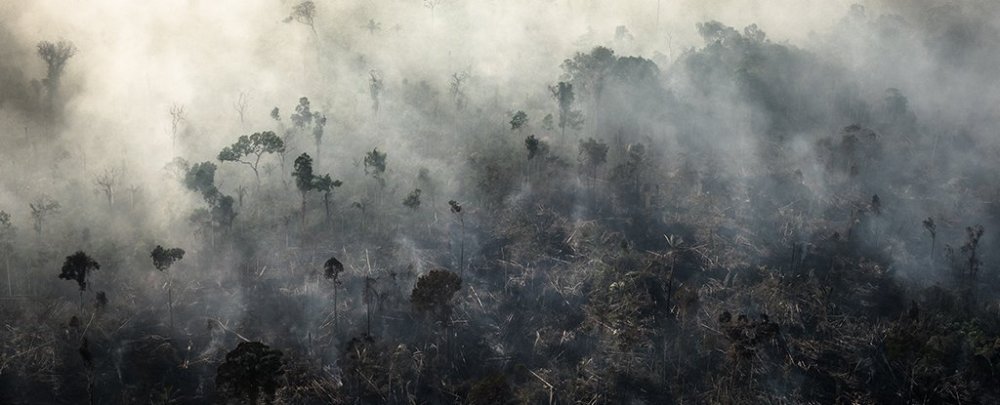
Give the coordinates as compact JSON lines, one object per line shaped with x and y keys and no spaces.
{"x":251,"y":374}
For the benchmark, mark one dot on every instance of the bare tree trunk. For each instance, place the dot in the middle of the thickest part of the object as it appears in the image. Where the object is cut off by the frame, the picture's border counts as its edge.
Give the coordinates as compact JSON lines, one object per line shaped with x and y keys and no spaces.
{"x":336,"y":318}
{"x":461,"y":255}
{"x":10,"y":287}
{"x":326,"y":205}
{"x":170,"y":301}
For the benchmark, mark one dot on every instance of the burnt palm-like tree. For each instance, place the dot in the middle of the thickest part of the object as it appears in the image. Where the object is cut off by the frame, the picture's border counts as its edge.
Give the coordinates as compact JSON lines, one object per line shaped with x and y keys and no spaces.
{"x":456,"y":209}
{"x":163,"y":258}
{"x":331,"y":271}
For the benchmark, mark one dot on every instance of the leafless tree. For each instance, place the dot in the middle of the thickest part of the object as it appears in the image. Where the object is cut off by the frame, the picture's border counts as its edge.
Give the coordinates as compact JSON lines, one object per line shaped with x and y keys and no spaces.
{"x":176,"y":118}
{"x":107,"y":182}
{"x":41,"y":208}
{"x":375,"y":86}
{"x":457,"y":88}
{"x":240,"y":105}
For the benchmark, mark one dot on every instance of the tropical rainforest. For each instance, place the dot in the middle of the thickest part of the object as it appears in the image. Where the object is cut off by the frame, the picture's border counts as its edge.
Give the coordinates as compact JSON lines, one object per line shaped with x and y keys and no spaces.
{"x":499,"y":202}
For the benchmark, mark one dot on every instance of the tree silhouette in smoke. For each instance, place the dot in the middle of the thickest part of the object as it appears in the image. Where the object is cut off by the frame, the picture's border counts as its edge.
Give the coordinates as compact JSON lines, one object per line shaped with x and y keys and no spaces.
{"x":251,"y":374}
{"x":76,"y":268}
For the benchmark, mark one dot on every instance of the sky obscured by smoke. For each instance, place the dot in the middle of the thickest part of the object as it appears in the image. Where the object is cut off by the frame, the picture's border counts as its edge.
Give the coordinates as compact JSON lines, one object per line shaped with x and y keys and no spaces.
{"x":137,"y":60}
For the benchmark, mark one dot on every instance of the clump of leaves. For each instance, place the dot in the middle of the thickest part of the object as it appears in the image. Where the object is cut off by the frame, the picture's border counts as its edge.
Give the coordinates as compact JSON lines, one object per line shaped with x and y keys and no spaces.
{"x":375,"y":163}
{"x":164,"y":258}
{"x":433,"y":293}
{"x":77,"y":266}
{"x":519,"y":120}
{"x":412,"y":200}
{"x":332,"y":268}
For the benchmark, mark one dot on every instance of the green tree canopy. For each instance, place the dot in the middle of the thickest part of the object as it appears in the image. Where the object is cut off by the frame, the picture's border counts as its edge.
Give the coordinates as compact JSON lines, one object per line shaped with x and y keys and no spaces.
{"x":248,"y":150}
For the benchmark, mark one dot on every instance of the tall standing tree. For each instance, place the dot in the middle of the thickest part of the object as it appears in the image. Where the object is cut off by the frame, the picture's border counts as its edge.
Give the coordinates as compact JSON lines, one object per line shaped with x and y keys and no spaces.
{"x":303,"y":116}
{"x":76,"y":268}
{"x":319,"y":125}
{"x":55,"y":56}
{"x":428,"y":184}
{"x":588,"y":72}
{"x":163,"y":258}
{"x":536,"y":149}
{"x":568,"y":117}
{"x":932,"y":230}
{"x":41,"y":209}
{"x":325,"y":184}
{"x":456,"y":208}
{"x":457,"y":87}
{"x":332,"y":270}
{"x":176,"y":118}
{"x":304,"y":180}
{"x":375,"y":165}
{"x":248,"y":150}
{"x":240,"y":105}
{"x":200,"y":178}
{"x":7,"y":234}
{"x":108,"y":181}
{"x":593,"y":154}
{"x":375,"y":87}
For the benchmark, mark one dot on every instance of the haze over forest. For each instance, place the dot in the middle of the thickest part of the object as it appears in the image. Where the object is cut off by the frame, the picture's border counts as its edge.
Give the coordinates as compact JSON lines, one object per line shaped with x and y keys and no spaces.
{"x":499,"y":202}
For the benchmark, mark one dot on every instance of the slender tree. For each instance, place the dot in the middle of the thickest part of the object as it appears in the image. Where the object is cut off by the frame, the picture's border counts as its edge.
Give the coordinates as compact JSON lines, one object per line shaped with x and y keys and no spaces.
{"x":457,"y":87}
{"x":319,"y":124}
{"x":176,"y":118}
{"x":325,"y":184}
{"x":76,"y":268}
{"x":593,"y":154}
{"x":304,"y":180}
{"x":456,"y":209}
{"x":108,"y":181}
{"x":240,"y":105}
{"x":932,"y":230}
{"x":7,"y":234}
{"x":332,"y":270}
{"x":375,"y":166}
{"x":375,"y":87}
{"x":568,"y":117}
{"x":162,"y":260}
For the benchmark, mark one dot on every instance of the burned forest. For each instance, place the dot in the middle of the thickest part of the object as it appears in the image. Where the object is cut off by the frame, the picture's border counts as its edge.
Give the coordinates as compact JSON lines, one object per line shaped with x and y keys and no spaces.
{"x":499,"y":202}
